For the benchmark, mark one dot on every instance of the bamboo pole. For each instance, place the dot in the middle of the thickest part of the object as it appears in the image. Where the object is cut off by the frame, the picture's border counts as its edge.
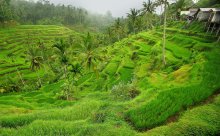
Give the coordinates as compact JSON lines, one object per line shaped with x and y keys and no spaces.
{"x":164,"y":33}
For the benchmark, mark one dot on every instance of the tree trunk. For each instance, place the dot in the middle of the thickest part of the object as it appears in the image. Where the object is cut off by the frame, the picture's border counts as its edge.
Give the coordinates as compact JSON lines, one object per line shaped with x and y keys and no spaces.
{"x":20,"y":77}
{"x":39,"y":80}
{"x":118,"y":37}
{"x":164,"y":33}
{"x":68,"y":89}
{"x":161,"y":8}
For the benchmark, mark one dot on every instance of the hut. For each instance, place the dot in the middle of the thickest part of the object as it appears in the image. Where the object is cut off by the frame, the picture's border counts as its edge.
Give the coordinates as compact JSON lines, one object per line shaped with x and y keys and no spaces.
{"x":213,"y":23}
{"x":192,"y":13}
{"x":204,"y":14}
{"x":215,"y":15}
{"x":184,"y":15}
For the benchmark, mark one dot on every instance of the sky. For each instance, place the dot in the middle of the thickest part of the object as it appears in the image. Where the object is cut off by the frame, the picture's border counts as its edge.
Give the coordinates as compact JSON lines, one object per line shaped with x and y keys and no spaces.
{"x":118,"y":8}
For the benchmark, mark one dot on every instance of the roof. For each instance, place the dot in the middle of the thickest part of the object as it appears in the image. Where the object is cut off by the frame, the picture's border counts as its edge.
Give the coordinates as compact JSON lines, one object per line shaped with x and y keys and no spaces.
{"x":216,"y":9}
{"x":206,"y":9}
{"x":184,"y":12}
{"x":191,"y":14}
{"x":193,"y":9}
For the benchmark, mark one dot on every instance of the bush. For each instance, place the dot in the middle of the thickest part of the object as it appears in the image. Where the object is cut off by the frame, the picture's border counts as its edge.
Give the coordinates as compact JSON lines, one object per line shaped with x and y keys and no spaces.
{"x":99,"y":117}
{"x":124,"y":91}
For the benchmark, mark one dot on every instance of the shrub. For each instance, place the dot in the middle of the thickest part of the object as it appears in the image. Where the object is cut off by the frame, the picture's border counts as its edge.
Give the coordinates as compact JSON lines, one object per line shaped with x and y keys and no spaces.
{"x":124,"y":91}
{"x":99,"y":117}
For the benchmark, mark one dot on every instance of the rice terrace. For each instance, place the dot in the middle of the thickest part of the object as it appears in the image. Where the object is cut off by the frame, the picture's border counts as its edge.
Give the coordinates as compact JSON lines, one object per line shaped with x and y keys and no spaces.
{"x":86,"y":68}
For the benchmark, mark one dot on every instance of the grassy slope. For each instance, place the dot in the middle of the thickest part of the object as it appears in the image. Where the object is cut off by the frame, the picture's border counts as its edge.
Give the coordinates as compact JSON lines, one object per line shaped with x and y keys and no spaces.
{"x":15,"y":40}
{"x":192,"y":75}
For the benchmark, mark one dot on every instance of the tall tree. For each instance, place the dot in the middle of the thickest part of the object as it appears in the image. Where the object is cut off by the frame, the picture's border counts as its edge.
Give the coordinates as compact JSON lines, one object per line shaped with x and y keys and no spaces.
{"x":36,"y":60}
{"x":148,"y":7}
{"x":148,"y":16}
{"x":5,"y":11}
{"x":118,"y":28}
{"x":161,"y":4}
{"x":61,"y":46}
{"x":164,"y":32}
{"x":88,"y":52}
{"x":132,"y":16}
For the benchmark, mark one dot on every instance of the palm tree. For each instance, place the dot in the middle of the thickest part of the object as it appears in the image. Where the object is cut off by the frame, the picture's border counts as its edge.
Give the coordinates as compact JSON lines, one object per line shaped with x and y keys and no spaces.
{"x":61,"y":46}
{"x":147,"y":14}
{"x":76,"y":69}
{"x":34,"y":56}
{"x":118,"y":28}
{"x":133,"y":15}
{"x":148,"y":7}
{"x":160,"y":3}
{"x":88,"y":52}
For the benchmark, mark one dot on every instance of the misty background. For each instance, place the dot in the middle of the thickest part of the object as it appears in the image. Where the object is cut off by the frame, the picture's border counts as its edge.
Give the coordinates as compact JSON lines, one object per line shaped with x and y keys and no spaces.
{"x":118,"y":8}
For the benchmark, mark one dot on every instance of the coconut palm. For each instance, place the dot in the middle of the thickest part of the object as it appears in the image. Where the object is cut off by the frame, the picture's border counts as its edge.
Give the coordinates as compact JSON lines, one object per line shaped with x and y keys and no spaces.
{"x":147,"y":14}
{"x":164,"y":32}
{"x":118,"y":28}
{"x":34,"y":56}
{"x":148,"y":7}
{"x":161,"y":3}
{"x":88,"y":52}
{"x":61,"y":46}
{"x":76,"y":69}
{"x":133,"y":16}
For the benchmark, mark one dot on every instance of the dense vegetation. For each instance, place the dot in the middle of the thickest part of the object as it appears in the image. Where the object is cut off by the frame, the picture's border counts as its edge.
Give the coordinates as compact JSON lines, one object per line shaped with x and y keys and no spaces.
{"x":47,"y":13}
{"x":55,"y":80}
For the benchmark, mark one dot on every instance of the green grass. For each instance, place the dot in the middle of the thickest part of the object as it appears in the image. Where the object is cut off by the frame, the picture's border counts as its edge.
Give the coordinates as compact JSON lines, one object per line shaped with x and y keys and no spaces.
{"x":200,"y":121}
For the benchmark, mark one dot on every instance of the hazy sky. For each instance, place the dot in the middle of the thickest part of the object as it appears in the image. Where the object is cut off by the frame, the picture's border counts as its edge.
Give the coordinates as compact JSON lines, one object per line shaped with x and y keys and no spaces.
{"x":118,"y":8}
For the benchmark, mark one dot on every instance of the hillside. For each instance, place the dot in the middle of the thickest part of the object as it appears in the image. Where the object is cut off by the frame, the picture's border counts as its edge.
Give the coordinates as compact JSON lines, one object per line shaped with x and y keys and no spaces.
{"x":14,"y":45}
{"x":130,"y":92}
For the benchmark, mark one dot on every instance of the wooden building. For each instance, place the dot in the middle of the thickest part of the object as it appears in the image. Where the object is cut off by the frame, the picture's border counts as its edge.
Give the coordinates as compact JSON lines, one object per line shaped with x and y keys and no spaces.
{"x":213,"y":23}
{"x":204,"y":14}
{"x":192,"y":13}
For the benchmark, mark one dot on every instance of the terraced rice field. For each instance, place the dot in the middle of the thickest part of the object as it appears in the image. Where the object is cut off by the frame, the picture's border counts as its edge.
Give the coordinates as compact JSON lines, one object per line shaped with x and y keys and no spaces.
{"x":15,"y":41}
{"x":181,"y":98}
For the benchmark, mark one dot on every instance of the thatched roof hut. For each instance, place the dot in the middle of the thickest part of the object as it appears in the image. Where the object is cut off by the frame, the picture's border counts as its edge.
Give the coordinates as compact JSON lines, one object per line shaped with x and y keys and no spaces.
{"x":193,"y":12}
{"x":204,"y":14}
{"x":215,"y":17}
